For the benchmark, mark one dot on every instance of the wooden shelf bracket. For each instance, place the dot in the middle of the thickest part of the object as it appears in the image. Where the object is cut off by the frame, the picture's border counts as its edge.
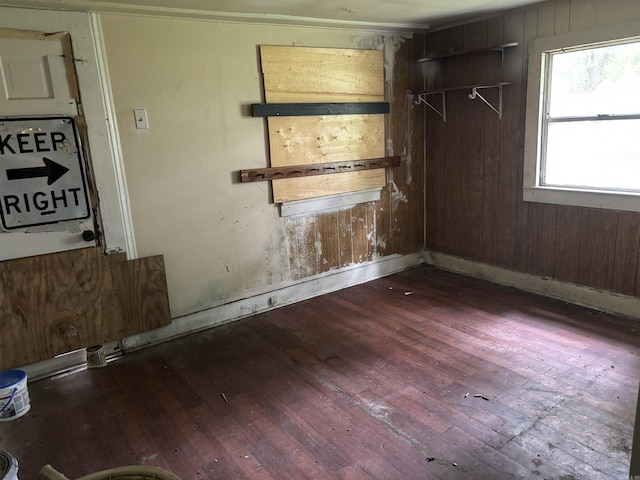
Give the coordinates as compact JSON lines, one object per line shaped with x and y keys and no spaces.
{"x":293,"y":171}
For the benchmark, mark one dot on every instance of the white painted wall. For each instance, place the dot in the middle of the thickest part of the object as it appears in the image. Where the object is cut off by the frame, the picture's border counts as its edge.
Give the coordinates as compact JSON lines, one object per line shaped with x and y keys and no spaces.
{"x":222,"y":240}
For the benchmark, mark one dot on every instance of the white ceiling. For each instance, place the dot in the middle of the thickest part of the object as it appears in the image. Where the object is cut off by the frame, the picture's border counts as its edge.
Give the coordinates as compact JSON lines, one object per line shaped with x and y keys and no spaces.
{"x":391,"y":14}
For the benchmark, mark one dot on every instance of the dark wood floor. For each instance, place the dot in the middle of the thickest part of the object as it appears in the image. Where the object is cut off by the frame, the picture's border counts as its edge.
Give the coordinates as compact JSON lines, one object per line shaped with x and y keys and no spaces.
{"x":376,"y":381}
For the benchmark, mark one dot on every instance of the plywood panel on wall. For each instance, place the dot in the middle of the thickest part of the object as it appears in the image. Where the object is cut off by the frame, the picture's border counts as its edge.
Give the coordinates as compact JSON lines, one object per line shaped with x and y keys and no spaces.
{"x":308,"y":75}
{"x":51,"y":304}
{"x":302,"y":74}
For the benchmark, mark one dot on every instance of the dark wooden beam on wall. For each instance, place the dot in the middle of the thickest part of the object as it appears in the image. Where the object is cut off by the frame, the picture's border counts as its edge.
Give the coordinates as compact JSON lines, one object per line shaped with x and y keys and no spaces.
{"x":315,"y":109}
{"x":277,"y":173}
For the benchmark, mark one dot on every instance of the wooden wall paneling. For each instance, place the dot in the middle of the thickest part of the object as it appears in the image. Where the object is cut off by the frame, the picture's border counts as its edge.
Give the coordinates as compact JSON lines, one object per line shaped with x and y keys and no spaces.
{"x":473,"y":145}
{"x":492,"y":125}
{"x":597,"y":248}
{"x":637,"y":282}
{"x":416,"y":140}
{"x":546,"y":19}
{"x":567,"y":243}
{"x":510,"y":210}
{"x":327,"y":241}
{"x":627,"y":253}
{"x":406,"y":197}
{"x":383,"y":219}
{"x":345,"y":237}
{"x":548,"y":240}
{"x":434,"y":146}
{"x":529,"y":216}
{"x":540,"y":239}
{"x":563,"y":17}
{"x":451,"y":189}
{"x":361,"y":228}
{"x":546,"y":27}
{"x":373,"y":230}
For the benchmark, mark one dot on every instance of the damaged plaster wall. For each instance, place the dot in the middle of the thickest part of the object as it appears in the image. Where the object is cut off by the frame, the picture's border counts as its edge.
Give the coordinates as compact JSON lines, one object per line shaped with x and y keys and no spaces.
{"x":222,"y":240}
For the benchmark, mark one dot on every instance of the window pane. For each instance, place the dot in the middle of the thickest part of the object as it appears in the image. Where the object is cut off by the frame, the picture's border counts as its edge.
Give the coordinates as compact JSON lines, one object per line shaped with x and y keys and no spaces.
{"x":596,"y":81}
{"x":603,"y":154}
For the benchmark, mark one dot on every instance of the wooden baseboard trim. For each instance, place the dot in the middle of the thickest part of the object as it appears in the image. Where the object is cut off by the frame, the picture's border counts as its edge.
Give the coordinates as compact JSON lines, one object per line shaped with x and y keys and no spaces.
{"x":599,"y":300}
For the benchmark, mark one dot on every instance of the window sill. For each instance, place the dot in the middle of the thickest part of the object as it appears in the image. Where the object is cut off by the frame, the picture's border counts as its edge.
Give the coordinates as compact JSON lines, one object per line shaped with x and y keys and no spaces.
{"x":625,"y":201}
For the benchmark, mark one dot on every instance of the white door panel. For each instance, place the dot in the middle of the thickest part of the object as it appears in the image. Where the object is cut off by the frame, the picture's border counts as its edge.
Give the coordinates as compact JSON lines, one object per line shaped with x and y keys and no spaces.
{"x":37,"y":79}
{"x":34,"y":78}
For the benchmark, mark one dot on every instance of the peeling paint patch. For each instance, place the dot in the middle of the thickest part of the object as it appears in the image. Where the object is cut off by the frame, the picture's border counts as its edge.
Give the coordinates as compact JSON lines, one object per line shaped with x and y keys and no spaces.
{"x":396,"y":195}
{"x":407,"y":152}
{"x":380,"y":242}
{"x":302,"y":238}
{"x":390,"y":44}
{"x":318,"y":244}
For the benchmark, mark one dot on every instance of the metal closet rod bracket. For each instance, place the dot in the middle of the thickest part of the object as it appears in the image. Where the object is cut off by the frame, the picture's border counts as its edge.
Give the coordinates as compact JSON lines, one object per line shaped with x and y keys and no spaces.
{"x":475,"y":94}
{"x":423,"y":98}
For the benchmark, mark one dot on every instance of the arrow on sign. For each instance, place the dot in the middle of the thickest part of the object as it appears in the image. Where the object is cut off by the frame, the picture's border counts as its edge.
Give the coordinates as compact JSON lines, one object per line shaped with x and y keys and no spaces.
{"x":52,"y":170}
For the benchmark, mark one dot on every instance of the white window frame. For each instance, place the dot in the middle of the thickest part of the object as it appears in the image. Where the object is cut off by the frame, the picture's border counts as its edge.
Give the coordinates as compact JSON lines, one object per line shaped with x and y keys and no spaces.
{"x":532,"y":190}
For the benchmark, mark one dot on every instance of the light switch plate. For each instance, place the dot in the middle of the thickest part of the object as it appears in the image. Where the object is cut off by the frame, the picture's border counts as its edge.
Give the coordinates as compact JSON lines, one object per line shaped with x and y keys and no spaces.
{"x":142,"y":123}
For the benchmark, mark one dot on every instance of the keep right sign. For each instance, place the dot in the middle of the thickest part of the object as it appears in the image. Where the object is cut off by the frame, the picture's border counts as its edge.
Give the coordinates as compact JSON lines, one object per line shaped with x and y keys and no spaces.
{"x":42,"y":179}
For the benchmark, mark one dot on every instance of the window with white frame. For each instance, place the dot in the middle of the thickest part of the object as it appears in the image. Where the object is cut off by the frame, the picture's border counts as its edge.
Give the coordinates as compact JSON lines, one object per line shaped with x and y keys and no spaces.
{"x":582,"y":139}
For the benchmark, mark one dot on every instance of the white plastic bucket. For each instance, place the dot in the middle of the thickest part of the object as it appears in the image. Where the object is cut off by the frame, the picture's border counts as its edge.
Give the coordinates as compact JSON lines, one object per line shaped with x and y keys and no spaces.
{"x":8,"y":467}
{"x":14,"y":395}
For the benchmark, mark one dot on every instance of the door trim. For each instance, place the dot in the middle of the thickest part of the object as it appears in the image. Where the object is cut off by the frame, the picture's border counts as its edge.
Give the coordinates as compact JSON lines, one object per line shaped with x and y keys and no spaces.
{"x":114,"y":136}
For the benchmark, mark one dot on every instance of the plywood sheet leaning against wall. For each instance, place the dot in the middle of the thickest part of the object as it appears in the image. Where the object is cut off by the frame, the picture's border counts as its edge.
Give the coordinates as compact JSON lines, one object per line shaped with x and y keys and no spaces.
{"x":51,"y":304}
{"x":313,"y":75}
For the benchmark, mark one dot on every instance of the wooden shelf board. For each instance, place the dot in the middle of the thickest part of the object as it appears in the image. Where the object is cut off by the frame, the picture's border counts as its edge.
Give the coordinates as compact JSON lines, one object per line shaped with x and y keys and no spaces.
{"x":466,"y":52}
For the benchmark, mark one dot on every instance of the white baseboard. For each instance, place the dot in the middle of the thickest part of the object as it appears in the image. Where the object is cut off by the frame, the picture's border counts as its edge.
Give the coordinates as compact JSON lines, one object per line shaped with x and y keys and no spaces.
{"x":569,"y":292}
{"x":296,"y":292}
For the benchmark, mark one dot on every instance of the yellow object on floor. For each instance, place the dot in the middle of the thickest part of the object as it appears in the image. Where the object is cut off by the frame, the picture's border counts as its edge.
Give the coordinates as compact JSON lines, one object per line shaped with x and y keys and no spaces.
{"x":131,"y":472}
